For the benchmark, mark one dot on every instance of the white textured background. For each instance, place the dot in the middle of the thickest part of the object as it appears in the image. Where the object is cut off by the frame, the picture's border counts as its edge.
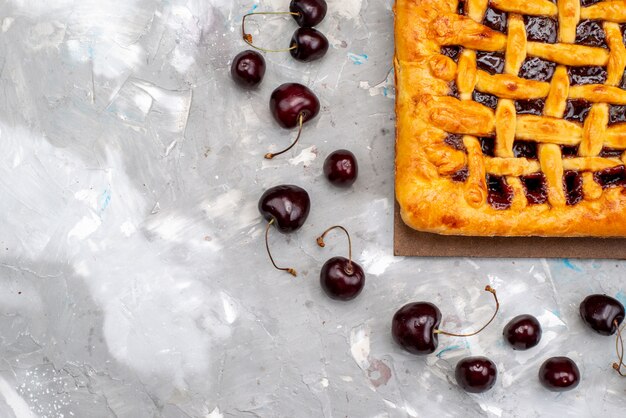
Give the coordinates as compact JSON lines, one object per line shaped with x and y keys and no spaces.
{"x":133,"y":277}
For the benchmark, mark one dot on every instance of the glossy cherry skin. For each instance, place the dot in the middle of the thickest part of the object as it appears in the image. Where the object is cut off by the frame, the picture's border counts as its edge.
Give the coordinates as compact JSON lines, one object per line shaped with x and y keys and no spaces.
{"x":310,"y":44}
{"x":523,"y":332}
{"x":600,"y":312}
{"x":289,"y":100}
{"x":310,"y":12}
{"x":341,"y":168}
{"x":288,"y":205}
{"x":342,"y":280}
{"x":559,"y":374}
{"x":476,"y":374}
{"x":248,"y":69}
{"x":413,"y":327}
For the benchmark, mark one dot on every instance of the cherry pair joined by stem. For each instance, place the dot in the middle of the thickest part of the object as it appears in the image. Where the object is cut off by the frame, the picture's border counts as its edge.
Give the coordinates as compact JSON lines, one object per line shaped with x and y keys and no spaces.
{"x":287,"y":208}
{"x":307,"y":43}
{"x":605,"y":315}
{"x":340,"y":277}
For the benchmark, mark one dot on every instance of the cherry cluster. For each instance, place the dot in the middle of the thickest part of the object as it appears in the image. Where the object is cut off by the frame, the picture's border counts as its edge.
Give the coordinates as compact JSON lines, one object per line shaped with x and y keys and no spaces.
{"x":292,"y":105}
{"x":415,"y":327}
{"x":307,"y":43}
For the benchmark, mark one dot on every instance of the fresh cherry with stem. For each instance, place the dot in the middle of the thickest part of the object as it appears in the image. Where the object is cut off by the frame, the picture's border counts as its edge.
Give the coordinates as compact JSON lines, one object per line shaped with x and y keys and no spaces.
{"x":605,"y":315}
{"x":248,"y":69}
{"x":292,"y":104}
{"x":415,"y":326}
{"x":340,"y":277}
{"x":523,"y":332}
{"x":476,"y":374}
{"x":286,"y":207}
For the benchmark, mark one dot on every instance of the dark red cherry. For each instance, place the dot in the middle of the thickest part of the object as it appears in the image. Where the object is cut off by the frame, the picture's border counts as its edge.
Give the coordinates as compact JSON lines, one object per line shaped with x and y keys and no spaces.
{"x":289,"y":101}
{"x":287,"y":205}
{"x":602,"y":313}
{"x":342,"y":279}
{"x":292,"y":104}
{"x":523,"y":332}
{"x":476,"y":374}
{"x":559,"y":374}
{"x":309,"y":12}
{"x":248,"y":69}
{"x":310,"y":44}
{"x":341,"y":168}
{"x":413,"y":327}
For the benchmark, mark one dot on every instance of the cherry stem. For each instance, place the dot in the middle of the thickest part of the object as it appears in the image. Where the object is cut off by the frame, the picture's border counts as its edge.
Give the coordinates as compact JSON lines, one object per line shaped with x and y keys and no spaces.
{"x":267,"y":247}
{"x":271,"y":155}
{"x":248,"y":37}
{"x":321,"y":243}
{"x":619,"y":348}
{"x":495,"y":297}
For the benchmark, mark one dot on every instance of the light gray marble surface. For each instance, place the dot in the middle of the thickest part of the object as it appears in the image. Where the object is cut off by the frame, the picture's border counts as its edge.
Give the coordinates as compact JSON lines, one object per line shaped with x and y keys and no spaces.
{"x":133,"y":273}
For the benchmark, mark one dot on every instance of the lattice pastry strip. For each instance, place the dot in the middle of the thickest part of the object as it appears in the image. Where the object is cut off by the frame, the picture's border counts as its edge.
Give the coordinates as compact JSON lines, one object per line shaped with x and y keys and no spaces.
{"x":525,"y":7}
{"x":594,"y":131}
{"x":613,"y":11}
{"x":476,"y":184}
{"x":559,"y":91}
{"x":551,"y":162}
{"x":506,"y":117}
{"x":569,"y":16}
{"x":617,"y":58}
{"x":506,"y":120}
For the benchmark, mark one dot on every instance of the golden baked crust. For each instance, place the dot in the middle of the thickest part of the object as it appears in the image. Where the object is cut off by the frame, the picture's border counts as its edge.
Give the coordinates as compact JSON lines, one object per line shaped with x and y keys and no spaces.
{"x":430,"y":198}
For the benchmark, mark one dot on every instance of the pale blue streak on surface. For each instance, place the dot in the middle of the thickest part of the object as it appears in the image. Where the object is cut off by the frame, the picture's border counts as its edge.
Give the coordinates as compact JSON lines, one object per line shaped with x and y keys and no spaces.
{"x":105,"y":200}
{"x":357,"y":59}
{"x":567,"y":263}
{"x":252,"y":9}
{"x":451,"y":348}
